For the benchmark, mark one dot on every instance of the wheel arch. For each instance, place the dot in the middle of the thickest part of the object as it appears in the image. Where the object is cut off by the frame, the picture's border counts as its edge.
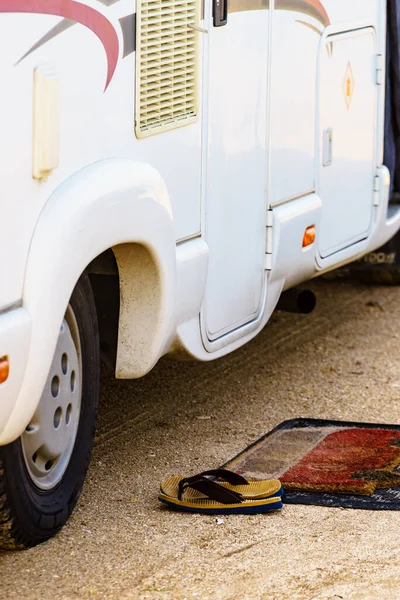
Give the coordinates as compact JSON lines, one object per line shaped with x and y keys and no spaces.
{"x":113,"y":204}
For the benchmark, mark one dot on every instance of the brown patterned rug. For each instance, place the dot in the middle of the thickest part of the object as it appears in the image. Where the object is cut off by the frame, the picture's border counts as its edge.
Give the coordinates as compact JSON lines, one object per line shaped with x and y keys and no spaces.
{"x":328,"y":462}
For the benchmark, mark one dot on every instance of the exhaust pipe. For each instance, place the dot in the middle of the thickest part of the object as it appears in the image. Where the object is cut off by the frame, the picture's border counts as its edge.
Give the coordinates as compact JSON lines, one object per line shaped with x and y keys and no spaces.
{"x":297,"y":301}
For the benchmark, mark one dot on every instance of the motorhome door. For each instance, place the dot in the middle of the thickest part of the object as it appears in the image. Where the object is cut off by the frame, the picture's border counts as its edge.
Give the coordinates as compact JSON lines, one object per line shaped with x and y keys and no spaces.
{"x":347,"y":158}
{"x":235,"y":165}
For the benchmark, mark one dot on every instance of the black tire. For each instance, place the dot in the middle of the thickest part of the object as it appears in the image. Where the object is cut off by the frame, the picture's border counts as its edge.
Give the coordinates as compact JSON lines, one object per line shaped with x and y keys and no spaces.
{"x":29,"y":515}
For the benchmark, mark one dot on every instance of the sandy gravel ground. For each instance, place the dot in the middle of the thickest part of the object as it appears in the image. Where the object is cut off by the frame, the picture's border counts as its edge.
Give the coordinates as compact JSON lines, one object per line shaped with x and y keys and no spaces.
{"x":342,"y":362}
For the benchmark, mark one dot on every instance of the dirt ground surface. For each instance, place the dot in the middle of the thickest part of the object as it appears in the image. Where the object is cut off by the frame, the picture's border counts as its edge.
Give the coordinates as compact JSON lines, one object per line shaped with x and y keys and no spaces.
{"x":342,"y":362}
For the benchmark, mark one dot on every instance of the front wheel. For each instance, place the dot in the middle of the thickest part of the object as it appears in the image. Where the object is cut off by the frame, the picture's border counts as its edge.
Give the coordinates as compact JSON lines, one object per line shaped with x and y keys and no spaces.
{"x":42,"y":472}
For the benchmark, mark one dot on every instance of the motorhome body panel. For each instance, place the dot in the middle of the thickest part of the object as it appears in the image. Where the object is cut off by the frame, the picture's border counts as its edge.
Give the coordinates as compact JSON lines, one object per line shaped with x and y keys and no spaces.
{"x":342,"y":11}
{"x":293,"y":105}
{"x":95,"y":123}
{"x":154,"y":191}
{"x":297,"y":36}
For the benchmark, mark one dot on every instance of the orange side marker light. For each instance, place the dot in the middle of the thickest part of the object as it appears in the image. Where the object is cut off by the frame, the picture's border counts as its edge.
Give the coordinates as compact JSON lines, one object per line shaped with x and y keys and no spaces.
{"x":4,"y":369}
{"x":309,"y":236}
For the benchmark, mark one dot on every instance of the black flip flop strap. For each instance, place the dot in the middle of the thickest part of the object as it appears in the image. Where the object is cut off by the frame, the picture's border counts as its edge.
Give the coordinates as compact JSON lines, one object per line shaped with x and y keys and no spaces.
{"x":202,"y":480}
{"x":228,"y":476}
{"x":212,"y":490}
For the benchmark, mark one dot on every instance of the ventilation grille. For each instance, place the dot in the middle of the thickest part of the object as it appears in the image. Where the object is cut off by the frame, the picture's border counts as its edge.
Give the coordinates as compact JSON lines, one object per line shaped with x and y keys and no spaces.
{"x":166,"y":68}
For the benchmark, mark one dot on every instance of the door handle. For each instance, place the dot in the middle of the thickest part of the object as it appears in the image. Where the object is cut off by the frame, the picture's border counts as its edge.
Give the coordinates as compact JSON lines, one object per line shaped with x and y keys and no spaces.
{"x":220,"y":12}
{"x":327,"y":149}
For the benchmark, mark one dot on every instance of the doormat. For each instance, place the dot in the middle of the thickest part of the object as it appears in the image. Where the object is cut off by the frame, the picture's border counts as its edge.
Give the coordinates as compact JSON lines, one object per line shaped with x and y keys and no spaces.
{"x":328,"y":463}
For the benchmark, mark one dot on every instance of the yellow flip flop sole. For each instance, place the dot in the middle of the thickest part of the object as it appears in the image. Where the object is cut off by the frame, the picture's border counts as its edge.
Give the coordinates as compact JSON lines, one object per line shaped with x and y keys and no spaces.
{"x":204,"y":505}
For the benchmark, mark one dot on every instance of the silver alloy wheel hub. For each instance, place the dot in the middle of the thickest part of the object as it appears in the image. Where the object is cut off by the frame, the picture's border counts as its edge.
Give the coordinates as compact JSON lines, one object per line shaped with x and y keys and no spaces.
{"x":48,"y":440}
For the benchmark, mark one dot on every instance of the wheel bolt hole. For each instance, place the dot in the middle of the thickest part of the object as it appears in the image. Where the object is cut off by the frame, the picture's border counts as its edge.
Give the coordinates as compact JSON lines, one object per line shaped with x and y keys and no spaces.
{"x":55,"y":386}
{"x":68,"y":414}
{"x":34,"y":457}
{"x":57,"y":417}
{"x":73,"y":381}
{"x":48,"y":465}
{"x":64,"y":363}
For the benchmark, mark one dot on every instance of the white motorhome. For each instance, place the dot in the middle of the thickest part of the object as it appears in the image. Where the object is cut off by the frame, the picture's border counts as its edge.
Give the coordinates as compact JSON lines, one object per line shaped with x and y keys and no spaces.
{"x":168,"y":169}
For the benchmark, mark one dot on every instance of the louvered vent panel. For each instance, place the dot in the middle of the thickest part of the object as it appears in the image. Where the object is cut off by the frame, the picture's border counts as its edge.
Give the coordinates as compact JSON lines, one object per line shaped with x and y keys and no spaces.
{"x":166,"y":69}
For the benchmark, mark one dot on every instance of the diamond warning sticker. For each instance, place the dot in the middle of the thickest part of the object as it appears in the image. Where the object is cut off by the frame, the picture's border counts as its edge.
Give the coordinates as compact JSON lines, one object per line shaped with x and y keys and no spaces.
{"x":348,"y":86}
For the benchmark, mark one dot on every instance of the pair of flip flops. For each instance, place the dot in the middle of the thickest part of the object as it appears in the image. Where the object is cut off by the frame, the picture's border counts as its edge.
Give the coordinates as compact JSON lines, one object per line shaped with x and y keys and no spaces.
{"x":221,"y":492}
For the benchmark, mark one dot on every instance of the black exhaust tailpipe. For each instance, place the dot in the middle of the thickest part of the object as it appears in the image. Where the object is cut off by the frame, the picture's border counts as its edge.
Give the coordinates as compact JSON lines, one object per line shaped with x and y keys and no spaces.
{"x":297,"y":301}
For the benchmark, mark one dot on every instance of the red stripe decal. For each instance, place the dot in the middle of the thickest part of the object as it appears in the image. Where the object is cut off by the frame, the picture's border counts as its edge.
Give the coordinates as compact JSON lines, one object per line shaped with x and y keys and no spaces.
{"x":75,"y":11}
{"x":312,"y":8}
{"x":320,"y":11}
